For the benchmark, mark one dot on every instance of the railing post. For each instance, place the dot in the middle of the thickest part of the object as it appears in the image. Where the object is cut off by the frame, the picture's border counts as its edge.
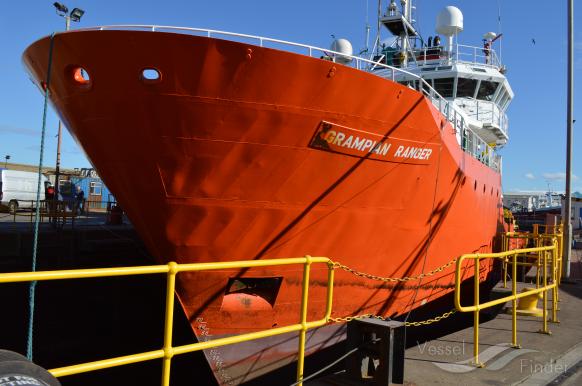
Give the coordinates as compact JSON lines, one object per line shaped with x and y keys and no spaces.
{"x":555,"y":282}
{"x":545,"y":296}
{"x":477,"y":109}
{"x":476,"y":314}
{"x":514,"y":302}
{"x":329,"y":302}
{"x":169,"y":323}
{"x":505,"y":248}
{"x":302,"y":333}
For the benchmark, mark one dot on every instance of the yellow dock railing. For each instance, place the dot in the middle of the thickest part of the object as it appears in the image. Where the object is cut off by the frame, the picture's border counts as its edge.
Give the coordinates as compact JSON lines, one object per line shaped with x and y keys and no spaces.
{"x":171,"y":270}
{"x":547,"y":255}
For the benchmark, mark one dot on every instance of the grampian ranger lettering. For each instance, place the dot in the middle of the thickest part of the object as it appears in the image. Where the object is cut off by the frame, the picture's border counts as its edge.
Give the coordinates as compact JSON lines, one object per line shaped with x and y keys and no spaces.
{"x":413,"y":152}
{"x":354,"y":142}
{"x":341,"y":139}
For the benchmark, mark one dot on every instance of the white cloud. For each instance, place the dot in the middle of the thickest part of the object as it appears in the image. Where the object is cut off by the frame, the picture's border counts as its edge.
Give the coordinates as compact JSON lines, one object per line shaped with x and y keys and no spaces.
{"x":559,"y":176}
{"x":530,"y":176}
{"x":18,"y":130}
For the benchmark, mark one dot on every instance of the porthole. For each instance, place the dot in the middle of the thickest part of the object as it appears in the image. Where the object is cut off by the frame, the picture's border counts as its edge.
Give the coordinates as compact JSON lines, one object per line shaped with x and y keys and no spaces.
{"x":484,"y":186}
{"x":475,"y":187}
{"x":151,"y":75}
{"x":81,"y":76}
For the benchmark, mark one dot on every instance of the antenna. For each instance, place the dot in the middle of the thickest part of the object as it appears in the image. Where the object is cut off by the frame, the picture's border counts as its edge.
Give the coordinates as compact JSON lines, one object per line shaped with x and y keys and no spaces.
{"x":366,"y":47}
{"x":377,"y":42}
{"x":499,"y":32}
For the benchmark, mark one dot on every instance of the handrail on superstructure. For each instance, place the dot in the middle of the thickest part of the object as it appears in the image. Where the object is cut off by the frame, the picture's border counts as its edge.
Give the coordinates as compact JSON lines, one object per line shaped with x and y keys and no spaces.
{"x":447,"y":108}
{"x":460,"y":54}
{"x":172,"y":269}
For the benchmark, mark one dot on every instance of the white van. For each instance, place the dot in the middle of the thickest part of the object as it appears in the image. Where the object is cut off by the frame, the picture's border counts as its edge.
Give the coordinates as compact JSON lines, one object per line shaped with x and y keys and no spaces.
{"x":18,"y":189}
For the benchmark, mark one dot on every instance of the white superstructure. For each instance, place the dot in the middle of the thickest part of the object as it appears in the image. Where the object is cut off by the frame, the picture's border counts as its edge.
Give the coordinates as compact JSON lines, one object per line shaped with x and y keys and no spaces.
{"x":472,"y":78}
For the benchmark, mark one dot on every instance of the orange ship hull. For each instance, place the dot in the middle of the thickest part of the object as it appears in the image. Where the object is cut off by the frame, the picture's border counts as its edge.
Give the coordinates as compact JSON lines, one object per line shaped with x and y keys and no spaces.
{"x":239,"y":152}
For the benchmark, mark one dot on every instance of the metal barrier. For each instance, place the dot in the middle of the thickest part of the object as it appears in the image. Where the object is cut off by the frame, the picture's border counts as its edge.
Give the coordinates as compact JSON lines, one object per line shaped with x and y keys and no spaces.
{"x":172,"y":269}
{"x":536,"y":239}
{"x":544,"y":251}
{"x":56,"y":212}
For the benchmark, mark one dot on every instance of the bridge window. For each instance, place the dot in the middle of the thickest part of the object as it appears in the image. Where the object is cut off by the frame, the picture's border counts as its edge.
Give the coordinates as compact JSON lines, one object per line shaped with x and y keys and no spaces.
{"x":503,"y":102}
{"x":466,"y":87}
{"x":487,"y":90}
{"x":444,"y":86}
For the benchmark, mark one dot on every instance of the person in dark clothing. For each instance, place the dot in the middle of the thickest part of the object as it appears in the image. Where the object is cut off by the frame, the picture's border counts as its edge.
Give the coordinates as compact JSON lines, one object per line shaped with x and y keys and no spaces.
{"x":49,"y":193}
{"x":80,"y":200}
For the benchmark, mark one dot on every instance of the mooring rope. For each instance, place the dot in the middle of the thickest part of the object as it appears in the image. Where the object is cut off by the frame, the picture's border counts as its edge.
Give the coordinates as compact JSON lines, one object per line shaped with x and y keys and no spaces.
{"x":32,"y":287}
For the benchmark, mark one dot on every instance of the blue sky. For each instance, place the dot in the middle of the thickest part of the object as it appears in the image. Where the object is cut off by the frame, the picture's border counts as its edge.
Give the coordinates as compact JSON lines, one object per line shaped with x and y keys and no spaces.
{"x":534,"y":157}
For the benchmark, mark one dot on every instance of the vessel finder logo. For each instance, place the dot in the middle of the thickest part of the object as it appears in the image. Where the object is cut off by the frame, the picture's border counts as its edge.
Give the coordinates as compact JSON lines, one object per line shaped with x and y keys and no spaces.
{"x":494,"y":358}
{"x":341,"y":139}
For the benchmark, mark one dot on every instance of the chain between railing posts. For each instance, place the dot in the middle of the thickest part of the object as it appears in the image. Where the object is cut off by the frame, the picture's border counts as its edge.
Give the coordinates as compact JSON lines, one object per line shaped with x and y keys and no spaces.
{"x":169,"y":323}
{"x":302,"y":333}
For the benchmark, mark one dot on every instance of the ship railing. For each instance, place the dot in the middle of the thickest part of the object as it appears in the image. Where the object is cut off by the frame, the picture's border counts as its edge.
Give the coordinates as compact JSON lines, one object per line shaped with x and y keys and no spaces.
{"x":434,"y":56}
{"x":376,"y":67}
{"x":476,"y":55}
{"x":547,"y":259}
{"x":487,"y":112}
{"x":171,"y":270}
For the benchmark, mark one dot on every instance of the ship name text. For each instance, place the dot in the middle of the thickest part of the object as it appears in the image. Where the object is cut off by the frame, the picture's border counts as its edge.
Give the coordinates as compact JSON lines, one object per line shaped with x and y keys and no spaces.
{"x":341,"y":139}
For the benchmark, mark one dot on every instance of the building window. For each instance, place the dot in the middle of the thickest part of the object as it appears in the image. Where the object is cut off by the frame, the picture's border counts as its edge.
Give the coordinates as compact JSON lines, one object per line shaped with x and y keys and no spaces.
{"x":95,"y":188}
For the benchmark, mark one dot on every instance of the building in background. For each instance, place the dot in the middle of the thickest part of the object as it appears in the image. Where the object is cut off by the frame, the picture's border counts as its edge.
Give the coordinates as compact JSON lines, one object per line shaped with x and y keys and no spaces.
{"x":97,"y":195}
{"x":531,"y":201}
{"x":576,"y":212}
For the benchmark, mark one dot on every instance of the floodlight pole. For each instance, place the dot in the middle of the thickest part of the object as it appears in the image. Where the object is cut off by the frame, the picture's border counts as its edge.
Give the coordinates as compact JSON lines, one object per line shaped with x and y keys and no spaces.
{"x":58,"y":166}
{"x":569,"y":122}
{"x":60,"y":132}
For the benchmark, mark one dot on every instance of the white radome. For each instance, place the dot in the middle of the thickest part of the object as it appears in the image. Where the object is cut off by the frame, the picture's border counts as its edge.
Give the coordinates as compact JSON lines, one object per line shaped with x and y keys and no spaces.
{"x":449,"y":21}
{"x":490,"y":35}
{"x":343,"y":46}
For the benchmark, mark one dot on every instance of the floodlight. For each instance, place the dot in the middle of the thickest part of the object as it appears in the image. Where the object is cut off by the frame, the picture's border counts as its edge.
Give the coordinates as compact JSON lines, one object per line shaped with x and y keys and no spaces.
{"x":76,"y":14}
{"x":61,"y":8}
